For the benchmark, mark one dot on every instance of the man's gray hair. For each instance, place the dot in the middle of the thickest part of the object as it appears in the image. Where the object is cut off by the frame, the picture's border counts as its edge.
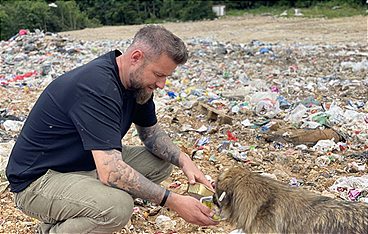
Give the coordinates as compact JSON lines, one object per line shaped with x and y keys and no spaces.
{"x":159,"y":40}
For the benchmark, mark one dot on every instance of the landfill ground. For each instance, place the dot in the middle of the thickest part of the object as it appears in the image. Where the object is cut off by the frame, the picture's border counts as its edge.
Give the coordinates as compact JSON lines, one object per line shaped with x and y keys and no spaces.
{"x":287,"y":97}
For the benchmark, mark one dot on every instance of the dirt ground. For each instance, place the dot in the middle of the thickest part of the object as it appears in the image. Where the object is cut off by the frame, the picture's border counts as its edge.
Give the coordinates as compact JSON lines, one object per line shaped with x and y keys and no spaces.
{"x":246,"y":28}
{"x":228,"y":29}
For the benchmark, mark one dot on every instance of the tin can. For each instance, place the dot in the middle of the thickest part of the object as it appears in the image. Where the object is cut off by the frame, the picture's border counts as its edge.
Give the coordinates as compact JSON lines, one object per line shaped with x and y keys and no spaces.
{"x":208,"y":201}
{"x":199,"y":190}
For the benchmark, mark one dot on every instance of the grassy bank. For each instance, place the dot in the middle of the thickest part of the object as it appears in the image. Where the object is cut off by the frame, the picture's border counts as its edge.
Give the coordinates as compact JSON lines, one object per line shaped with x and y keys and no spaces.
{"x":323,"y":10}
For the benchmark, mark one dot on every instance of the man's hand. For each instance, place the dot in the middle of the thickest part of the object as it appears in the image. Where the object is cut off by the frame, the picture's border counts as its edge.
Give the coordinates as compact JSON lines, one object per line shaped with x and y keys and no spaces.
{"x":190,"y":209}
{"x":192,"y":172}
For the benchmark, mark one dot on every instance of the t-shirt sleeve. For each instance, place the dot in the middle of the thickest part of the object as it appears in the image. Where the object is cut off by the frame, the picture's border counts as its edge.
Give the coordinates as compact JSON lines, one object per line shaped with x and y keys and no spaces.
{"x":97,"y":119}
{"x":145,"y":115}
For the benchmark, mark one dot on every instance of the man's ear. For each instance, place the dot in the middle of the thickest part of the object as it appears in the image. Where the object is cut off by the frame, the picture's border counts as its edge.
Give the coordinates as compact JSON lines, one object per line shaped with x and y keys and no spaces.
{"x":136,"y":57}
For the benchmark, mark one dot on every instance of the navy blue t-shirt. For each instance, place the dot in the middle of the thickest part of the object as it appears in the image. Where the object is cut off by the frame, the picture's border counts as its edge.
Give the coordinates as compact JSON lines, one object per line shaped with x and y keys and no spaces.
{"x":85,"y":109}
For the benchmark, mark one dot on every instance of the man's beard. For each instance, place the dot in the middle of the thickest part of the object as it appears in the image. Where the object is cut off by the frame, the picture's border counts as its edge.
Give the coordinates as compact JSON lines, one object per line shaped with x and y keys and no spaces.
{"x":141,"y":94}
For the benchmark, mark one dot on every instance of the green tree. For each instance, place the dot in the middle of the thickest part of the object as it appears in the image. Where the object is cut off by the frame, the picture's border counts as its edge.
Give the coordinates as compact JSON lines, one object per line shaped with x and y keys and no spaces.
{"x":5,"y":25}
{"x":112,"y":12}
{"x":67,"y":16}
{"x":15,"y":15}
{"x":23,"y":14}
{"x":170,"y":9}
{"x":196,"y":10}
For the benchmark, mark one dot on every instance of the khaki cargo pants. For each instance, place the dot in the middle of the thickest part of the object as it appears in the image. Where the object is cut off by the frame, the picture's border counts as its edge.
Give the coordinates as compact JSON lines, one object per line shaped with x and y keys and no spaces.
{"x":79,"y":203}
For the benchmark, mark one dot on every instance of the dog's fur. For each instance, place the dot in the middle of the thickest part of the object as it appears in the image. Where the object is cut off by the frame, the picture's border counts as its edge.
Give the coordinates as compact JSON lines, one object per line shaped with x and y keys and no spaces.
{"x":258,"y":204}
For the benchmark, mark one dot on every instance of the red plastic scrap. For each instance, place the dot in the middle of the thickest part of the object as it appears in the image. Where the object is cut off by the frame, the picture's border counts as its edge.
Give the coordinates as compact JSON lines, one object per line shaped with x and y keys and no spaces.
{"x":231,"y":136}
{"x":23,"y":32}
{"x":175,"y":184}
{"x":26,"y":75}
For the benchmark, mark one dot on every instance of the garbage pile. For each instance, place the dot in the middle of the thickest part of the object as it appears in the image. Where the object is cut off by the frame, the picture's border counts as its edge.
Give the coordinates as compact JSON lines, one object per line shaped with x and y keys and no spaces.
{"x":298,"y":112}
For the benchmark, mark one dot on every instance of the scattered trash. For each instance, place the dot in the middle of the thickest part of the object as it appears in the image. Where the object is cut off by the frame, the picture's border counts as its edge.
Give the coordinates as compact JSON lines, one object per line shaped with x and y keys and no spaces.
{"x":230,"y":136}
{"x":323,"y":161}
{"x":362,"y":156}
{"x":165,"y":223}
{"x":239,"y":156}
{"x":5,"y":149}
{"x":301,"y":147}
{"x":175,"y":184}
{"x":213,"y":114}
{"x":297,"y":114}
{"x":203,"y":141}
{"x":3,"y":186}
{"x":351,"y":188}
{"x":246,"y":123}
{"x":172,"y":94}
{"x":266,"y":104}
{"x":325,"y":146}
{"x":355,"y":66}
{"x":354,"y":167}
{"x":295,"y":182}
{"x":12,"y":125}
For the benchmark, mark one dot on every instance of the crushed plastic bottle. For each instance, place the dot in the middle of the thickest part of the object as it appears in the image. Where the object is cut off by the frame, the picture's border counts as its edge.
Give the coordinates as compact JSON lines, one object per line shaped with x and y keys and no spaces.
{"x":325,"y":146}
{"x":296,"y":115}
{"x":165,"y":223}
{"x":13,"y":125}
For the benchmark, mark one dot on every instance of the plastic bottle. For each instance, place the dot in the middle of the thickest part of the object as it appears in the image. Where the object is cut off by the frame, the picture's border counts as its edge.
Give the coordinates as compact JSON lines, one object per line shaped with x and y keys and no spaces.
{"x":297,"y":114}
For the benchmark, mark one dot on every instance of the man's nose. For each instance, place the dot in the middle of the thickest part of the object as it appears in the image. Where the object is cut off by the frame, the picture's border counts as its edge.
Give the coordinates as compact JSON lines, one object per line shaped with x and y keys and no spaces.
{"x":161,"y":83}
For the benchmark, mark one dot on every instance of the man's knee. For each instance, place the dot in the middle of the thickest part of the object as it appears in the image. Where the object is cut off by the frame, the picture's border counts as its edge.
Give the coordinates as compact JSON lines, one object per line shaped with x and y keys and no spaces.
{"x":118,"y":209}
{"x":161,"y":173}
{"x":168,"y":169}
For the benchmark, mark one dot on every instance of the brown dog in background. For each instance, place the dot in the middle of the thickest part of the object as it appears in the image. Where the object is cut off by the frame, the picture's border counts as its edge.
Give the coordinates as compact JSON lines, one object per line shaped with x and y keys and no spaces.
{"x":258,"y":204}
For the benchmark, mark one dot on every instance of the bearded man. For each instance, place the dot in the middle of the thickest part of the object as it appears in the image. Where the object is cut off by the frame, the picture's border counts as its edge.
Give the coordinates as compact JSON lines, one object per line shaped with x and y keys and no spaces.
{"x":69,"y":168}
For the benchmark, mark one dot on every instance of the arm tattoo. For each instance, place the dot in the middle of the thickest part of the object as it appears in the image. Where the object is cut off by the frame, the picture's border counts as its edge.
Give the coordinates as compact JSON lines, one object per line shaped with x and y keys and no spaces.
{"x":124,"y":177}
{"x":158,"y":142}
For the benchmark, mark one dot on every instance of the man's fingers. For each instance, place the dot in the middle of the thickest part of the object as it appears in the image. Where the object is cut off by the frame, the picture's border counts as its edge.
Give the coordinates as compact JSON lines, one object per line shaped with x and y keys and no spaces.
{"x":207,"y":221}
{"x":207,"y":183}
{"x":191,"y":180}
{"x":205,"y":210}
{"x":208,"y":213}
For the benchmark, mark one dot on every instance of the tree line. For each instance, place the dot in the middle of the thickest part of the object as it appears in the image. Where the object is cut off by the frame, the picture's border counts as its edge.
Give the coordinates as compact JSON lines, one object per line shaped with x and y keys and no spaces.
{"x":56,"y":16}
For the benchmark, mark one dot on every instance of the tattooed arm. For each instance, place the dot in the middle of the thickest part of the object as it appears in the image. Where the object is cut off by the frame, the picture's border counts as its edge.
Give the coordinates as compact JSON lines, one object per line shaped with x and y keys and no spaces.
{"x":114,"y":172}
{"x":159,"y":143}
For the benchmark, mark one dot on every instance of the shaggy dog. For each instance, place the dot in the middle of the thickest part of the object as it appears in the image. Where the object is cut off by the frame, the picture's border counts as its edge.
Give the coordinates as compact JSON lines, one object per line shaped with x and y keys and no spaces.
{"x":258,"y":204}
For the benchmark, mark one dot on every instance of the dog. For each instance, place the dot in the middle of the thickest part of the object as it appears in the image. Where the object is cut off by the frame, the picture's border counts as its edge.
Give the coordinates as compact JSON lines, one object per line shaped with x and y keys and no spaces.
{"x":258,"y":204}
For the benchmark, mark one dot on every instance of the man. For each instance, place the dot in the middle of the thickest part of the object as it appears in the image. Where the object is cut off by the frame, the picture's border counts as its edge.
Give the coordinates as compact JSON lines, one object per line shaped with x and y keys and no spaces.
{"x":68,"y":167}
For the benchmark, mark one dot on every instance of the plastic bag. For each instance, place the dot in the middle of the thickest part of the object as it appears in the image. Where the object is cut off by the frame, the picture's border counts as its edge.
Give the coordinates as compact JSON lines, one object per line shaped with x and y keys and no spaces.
{"x":266,"y":104}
